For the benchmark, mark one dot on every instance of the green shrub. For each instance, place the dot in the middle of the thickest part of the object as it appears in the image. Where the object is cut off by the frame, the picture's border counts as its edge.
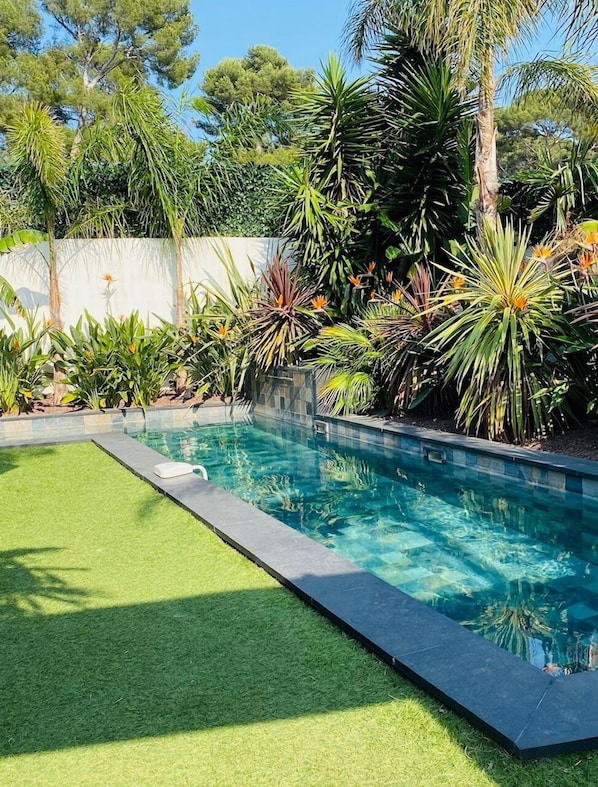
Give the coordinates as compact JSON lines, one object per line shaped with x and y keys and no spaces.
{"x":214,"y":348}
{"x":23,"y":371}
{"x":117,"y":363}
{"x":347,"y":369}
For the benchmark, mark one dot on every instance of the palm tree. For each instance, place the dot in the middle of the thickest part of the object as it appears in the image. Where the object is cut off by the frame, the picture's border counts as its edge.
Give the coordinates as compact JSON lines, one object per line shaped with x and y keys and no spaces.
{"x":37,"y":147}
{"x":169,"y":183}
{"x":472,"y":36}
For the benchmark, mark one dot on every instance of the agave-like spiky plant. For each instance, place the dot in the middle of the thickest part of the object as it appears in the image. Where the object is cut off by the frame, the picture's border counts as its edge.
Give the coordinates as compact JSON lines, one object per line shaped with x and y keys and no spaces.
{"x":500,"y":346}
{"x":287,"y":313}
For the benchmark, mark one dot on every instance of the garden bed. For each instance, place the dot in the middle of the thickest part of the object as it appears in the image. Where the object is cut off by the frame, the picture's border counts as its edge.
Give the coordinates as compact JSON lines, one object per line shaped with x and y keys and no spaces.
{"x":581,"y":442}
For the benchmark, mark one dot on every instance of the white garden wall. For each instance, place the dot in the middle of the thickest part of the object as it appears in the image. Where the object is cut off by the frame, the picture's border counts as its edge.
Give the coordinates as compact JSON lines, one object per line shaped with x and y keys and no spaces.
{"x":143,"y":271}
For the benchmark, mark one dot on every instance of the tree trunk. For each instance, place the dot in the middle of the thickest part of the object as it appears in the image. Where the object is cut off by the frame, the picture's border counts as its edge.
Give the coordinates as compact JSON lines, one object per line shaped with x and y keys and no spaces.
{"x":55,"y":316}
{"x":82,"y":123}
{"x":485,"y":154}
{"x":60,"y":389}
{"x":179,"y":295}
{"x":180,"y":306}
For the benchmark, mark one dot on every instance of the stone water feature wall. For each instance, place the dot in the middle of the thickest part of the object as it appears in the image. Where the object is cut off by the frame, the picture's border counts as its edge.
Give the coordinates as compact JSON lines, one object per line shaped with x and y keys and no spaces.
{"x":287,"y":392}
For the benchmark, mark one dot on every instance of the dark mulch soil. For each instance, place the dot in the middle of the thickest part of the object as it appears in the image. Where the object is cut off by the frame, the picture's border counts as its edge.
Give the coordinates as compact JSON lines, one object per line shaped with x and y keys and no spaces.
{"x":46,"y":407}
{"x":581,"y":441}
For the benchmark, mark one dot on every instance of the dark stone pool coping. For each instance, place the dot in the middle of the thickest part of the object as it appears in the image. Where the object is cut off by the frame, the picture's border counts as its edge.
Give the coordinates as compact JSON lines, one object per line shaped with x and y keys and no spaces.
{"x":571,"y":465}
{"x":530,"y":713}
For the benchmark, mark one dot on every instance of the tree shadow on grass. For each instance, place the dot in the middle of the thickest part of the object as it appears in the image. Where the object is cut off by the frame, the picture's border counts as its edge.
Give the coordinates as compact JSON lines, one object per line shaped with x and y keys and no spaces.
{"x":152,"y":669}
{"x":25,"y":586}
{"x":230,"y":658}
{"x":9,"y":457}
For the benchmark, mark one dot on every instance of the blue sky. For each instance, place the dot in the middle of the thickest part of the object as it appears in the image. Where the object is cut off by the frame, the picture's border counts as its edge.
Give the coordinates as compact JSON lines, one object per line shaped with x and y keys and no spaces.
{"x":303,"y":31}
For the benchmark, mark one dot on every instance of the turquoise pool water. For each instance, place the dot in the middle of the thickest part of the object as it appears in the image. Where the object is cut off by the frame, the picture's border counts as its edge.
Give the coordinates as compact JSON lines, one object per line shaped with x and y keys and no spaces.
{"x":517,"y":565}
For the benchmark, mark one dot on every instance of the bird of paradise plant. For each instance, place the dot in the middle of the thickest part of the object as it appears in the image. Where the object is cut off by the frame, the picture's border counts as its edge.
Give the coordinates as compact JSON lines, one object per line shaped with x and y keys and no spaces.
{"x":214,"y":345}
{"x":23,"y":371}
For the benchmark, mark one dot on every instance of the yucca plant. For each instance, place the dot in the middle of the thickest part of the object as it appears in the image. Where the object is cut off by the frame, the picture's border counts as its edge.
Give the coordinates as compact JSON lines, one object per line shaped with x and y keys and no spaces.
{"x":286,"y":314}
{"x":424,"y":183}
{"x":23,"y":371}
{"x":324,"y":196}
{"x":501,"y":345}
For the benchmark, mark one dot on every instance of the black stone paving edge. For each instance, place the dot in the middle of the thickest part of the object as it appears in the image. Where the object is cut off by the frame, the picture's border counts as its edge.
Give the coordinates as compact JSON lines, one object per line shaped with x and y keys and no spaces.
{"x":528,"y":712}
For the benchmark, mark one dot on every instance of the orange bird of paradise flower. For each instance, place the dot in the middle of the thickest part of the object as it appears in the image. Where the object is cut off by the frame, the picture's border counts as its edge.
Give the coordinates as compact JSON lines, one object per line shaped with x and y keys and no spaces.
{"x":319,"y":302}
{"x":586,"y":260}
{"x":355,"y":280}
{"x":542,"y":252}
{"x":458,"y":282}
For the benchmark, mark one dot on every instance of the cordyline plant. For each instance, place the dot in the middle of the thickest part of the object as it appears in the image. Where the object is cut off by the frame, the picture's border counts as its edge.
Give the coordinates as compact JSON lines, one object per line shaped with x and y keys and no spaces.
{"x":502,"y":345}
{"x":286,"y":314}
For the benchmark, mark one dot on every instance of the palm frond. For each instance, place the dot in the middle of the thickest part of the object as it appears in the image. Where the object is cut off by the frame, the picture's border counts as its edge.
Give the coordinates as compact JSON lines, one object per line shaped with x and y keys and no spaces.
{"x":568,"y":81}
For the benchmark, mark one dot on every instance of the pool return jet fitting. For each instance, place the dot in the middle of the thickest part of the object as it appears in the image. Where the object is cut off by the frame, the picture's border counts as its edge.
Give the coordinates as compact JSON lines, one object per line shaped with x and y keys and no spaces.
{"x":174,"y":469}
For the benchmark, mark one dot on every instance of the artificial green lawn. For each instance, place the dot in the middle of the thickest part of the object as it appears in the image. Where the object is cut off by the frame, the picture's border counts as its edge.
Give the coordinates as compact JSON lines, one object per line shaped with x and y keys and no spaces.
{"x":138,"y":649}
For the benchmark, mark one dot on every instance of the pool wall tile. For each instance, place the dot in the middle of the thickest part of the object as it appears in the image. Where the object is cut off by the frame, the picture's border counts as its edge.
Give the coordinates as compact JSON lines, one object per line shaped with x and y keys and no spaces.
{"x":590,"y":487}
{"x":502,"y":463}
{"x":42,"y":428}
{"x":287,"y":393}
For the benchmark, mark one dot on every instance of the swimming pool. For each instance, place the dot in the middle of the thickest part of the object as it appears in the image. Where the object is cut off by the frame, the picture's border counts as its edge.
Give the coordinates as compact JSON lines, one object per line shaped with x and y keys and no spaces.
{"x":518,"y":566}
